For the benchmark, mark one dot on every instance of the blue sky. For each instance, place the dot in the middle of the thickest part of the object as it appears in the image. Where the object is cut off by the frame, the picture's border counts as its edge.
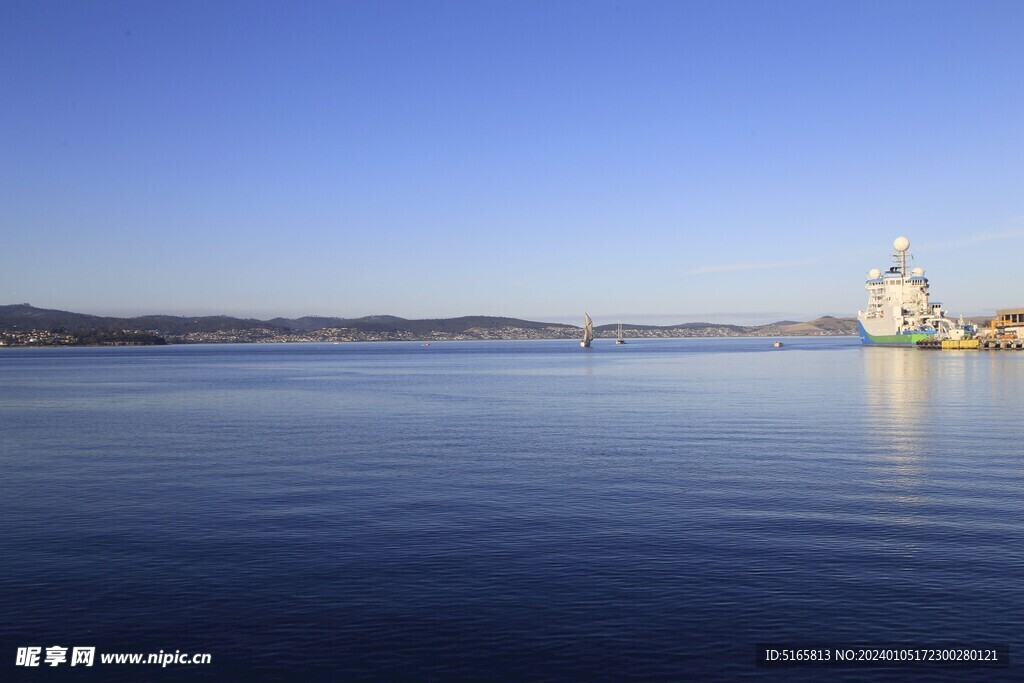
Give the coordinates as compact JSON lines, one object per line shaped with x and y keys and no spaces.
{"x":649,"y":161}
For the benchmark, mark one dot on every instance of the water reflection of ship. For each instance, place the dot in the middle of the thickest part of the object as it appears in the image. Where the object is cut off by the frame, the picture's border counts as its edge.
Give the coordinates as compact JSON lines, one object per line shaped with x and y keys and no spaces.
{"x":900,"y":390}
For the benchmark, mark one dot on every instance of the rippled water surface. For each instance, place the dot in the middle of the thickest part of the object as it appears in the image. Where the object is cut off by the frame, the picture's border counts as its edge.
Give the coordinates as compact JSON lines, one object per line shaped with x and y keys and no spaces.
{"x":508,"y":510}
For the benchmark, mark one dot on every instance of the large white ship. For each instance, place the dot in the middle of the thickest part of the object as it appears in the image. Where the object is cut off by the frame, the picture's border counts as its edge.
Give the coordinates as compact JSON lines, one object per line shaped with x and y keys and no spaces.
{"x":899,"y":312}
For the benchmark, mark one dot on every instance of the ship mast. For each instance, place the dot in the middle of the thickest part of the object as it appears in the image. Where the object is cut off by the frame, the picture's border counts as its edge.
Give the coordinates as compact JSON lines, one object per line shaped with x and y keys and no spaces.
{"x":901,"y":245}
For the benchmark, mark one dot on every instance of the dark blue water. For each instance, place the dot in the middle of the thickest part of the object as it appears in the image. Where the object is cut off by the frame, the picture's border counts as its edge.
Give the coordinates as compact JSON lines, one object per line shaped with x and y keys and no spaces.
{"x":508,"y":510}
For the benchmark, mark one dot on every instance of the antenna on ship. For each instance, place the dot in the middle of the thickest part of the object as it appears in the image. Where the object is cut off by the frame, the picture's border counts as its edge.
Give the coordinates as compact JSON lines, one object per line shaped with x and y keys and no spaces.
{"x":901,"y":244}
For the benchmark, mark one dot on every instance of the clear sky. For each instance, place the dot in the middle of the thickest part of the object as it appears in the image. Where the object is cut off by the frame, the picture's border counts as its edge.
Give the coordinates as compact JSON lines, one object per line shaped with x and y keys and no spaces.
{"x":649,"y":161}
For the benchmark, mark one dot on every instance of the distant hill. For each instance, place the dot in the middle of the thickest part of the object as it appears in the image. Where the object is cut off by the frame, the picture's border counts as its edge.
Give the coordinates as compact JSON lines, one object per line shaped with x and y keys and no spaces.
{"x":24,"y":317}
{"x":823,"y":325}
{"x":393,"y":324}
{"x":27,"y":317}
{"x":739,"y":329}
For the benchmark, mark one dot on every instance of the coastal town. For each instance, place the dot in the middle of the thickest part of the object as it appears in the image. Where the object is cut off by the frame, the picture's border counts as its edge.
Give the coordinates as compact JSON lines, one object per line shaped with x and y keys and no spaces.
{"x":89,"y":337}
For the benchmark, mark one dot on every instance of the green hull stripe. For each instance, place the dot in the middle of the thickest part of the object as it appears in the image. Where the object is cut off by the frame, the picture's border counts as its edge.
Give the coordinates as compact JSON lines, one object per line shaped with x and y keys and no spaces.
{"x":899,"y":339}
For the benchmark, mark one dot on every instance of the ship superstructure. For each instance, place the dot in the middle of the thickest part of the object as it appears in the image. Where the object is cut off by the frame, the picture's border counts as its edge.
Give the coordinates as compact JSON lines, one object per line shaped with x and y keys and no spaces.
{"x":899,"y":312}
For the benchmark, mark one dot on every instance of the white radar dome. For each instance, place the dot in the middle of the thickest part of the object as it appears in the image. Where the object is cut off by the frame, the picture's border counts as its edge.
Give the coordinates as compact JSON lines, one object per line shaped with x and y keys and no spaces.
{"x":901,"y":244}
{"x":917,"y":272}
{"x":874,"y":273}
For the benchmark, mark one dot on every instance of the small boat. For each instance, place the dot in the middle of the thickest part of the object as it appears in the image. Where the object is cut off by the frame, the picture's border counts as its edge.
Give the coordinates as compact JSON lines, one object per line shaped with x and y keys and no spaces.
{"x":425,"y":344}
{"x":588,"y":331}
{"x":620,"y":339}
{"x":778,"y":345}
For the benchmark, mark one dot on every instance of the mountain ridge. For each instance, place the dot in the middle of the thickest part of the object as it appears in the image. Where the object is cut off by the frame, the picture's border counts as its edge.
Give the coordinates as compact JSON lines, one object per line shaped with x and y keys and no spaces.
{"x":25,"y":317}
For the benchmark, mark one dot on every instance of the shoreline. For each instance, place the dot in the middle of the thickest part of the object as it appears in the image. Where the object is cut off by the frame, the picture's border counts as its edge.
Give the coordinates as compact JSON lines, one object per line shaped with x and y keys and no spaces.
{"x":168,"y":342}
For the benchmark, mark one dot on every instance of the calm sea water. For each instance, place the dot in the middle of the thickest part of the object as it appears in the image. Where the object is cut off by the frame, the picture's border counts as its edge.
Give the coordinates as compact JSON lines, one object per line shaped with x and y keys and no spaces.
{"x":508,"y":510}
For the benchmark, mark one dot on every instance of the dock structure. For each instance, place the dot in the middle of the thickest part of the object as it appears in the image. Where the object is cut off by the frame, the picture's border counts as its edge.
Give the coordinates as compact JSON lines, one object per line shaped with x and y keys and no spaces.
{"x":1004,"y":333}
{"x":972,"y":344}
{"x":1009,"y":317}
{"x":1008,"y":324}
{"x":1004,"y":344}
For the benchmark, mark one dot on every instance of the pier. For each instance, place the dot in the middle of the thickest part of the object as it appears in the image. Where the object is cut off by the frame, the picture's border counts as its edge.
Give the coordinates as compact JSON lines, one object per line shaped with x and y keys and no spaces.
{"x":1004,"y":333}
{"x":973,"y":344}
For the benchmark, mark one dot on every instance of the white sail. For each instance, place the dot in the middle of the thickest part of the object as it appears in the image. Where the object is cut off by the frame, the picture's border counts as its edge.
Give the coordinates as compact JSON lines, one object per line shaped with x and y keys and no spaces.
{"x":588,"y":331}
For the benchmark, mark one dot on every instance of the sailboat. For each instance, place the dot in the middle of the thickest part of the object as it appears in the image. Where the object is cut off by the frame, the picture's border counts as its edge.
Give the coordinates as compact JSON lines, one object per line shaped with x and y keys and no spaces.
{"x":620,"y":339}
{"x":588,"y":331}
